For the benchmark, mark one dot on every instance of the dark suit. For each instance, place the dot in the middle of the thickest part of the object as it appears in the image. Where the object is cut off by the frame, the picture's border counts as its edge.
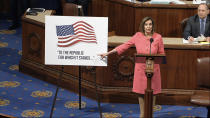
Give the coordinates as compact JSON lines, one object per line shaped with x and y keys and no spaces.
{"x":48,"y":5}
{"x":193,"y":27}
{"x":17,"y":8}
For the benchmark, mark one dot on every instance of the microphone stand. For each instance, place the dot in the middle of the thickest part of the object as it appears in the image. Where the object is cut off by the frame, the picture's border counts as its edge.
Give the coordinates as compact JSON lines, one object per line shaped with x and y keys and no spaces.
{"x":80,"y":13}
{"x":80,"y":89}
{"x":148,"y":97}
{"x":151,"y":40}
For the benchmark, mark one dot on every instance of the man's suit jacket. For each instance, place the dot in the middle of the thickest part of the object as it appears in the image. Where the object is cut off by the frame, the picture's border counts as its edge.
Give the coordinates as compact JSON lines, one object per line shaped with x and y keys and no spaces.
{"x":193,"y":27}
{"x":47,"y":4}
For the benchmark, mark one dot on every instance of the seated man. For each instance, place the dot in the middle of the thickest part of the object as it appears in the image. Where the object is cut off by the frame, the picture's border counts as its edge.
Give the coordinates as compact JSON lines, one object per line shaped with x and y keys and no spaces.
{"x":84,"y":4}
{"x":198,"y":25}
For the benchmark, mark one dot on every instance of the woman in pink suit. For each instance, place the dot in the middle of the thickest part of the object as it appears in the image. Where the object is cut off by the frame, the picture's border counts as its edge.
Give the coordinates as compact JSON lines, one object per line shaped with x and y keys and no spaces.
{"x":142,"y":42}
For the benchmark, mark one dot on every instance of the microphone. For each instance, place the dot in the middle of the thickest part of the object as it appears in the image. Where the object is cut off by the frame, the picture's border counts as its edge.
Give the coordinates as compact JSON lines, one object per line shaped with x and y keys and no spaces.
{"x":151,"y":40}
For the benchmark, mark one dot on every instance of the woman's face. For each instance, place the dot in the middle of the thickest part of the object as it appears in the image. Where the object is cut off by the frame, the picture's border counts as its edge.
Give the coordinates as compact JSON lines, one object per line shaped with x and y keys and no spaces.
{"x":148,"y":26}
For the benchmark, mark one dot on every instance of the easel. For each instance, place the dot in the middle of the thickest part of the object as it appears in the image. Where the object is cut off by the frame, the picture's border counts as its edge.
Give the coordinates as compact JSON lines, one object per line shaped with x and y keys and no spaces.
{"x":150,"y":60}
{"x":80,"y":13}
{"x":80,"y":91}
{"x":96,"y":88}
{"x":80,"y":70}
{"x":57,"y":82}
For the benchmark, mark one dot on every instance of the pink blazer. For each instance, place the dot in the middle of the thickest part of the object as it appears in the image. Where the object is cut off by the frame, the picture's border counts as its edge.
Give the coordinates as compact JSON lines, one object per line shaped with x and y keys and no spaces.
{"x":142,"y":44}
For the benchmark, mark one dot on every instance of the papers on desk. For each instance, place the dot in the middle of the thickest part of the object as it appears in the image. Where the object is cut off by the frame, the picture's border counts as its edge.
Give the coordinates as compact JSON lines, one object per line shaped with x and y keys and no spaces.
{"x":196,"y":41}
{"x":205,"y":42}
{"x":198,"y":1}
{"x":166,"y":2}
{"x":185,"y":41}
{"x":131,"y":1}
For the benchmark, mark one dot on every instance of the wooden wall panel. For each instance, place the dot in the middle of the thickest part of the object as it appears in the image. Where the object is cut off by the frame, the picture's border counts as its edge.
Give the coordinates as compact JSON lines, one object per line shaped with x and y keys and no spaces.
{"x":99,"y":8}
{"x":179,"y":72}
{"x":125,"y":17}
{"x":167,"y":20}
{"x":33,"y":45}
{"x":120,"y":68}
{"x":121,"y":19}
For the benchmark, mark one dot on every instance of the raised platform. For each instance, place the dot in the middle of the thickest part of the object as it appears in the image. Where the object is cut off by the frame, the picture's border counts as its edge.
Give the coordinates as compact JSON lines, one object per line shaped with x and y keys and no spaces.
{"x":115,"y":81}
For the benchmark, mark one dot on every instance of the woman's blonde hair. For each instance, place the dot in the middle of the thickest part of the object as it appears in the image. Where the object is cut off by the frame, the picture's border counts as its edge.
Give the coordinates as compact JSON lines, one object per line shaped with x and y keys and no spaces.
{"x":141,"y":27}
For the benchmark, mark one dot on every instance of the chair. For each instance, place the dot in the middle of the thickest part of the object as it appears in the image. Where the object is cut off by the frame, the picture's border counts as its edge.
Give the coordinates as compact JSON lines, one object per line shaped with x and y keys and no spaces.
{"x":203,"y":82}
{"x":70,"y":9}
{"x":184,"y":23}
{"x":112,"y":33}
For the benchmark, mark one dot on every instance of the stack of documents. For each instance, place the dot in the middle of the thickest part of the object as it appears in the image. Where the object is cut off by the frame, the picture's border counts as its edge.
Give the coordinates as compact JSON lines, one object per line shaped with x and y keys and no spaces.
{"x":195,"y":41}
{"x":198,"y":1}
{"x":166,"y":2}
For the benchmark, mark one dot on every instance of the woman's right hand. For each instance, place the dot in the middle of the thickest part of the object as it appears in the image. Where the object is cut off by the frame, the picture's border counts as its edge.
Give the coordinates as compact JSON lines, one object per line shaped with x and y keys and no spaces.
{"x":103,"y":55}
{"x":106,"y":54}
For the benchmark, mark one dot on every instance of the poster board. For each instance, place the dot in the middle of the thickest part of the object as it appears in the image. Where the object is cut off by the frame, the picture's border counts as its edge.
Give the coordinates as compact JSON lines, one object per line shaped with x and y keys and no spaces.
{"x":75,"y":40}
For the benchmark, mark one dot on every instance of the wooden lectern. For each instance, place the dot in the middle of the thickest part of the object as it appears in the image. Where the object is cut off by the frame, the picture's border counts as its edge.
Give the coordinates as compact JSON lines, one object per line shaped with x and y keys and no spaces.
{"x":150,"y":60}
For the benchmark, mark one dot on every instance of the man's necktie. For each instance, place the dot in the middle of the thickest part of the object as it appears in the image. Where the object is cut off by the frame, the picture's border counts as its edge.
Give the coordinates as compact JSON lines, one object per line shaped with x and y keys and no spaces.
{"x":202,"y":27}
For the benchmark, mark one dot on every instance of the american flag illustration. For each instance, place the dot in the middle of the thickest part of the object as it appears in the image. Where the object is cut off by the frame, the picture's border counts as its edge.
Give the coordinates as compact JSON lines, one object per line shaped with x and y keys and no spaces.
{"x":80,"y":31}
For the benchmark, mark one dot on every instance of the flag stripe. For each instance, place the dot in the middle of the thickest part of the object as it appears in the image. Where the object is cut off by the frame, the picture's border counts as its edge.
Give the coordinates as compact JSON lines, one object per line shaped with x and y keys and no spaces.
{"x":81,"y":32}
{"x":65,"y":37}
{"x":81,"y":35}
{"x":82,"y":23}
{"x":82,"y":29}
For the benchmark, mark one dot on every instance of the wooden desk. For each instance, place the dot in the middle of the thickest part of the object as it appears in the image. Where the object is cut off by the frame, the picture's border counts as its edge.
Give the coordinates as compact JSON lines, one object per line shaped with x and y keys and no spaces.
{"x":178,"y":75}
{"x":169,"y":43}
{"x":125,"y":17}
